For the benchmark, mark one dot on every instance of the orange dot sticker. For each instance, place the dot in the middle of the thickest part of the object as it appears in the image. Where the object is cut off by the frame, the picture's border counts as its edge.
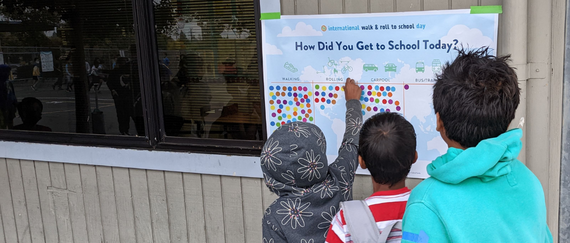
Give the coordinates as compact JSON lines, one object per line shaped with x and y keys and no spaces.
{"x":397,"y":103}
{"x":333,"y":101}
{"x":278,"y":94}
{"x":307,"y":115}
{"x":295,"y":99}
{"x":294,"y":88}
{"x":379,"y":94}
{"x":390,"y":94}
{"x":283,"y":93}
{"x":308,"y":105}
{"x":284,"y":88}
{"x":271,"y":102}
{"x":368,"y":108}
{"x":335,"y":96}
{"x":309,"y":111}
{"x":294,"y":113}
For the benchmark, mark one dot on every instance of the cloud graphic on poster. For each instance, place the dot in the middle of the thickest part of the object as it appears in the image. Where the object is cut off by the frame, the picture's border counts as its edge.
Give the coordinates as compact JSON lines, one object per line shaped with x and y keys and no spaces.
{"x":269,"y":49}
{"x":472,"y":38}
{"x":301,"y":29}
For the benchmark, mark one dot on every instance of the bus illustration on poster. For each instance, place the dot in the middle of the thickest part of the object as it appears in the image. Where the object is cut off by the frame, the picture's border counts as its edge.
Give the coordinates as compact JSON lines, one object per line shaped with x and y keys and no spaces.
{"x":394,"y":57}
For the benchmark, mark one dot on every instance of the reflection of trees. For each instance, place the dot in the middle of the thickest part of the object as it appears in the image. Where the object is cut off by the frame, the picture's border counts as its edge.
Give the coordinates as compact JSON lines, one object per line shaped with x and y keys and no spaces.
{"x":80,"y":24}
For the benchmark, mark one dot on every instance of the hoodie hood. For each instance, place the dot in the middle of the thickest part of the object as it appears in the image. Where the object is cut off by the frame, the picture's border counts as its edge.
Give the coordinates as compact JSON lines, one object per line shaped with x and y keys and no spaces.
{"x":294,"y":158}
{"x":491,"y":158}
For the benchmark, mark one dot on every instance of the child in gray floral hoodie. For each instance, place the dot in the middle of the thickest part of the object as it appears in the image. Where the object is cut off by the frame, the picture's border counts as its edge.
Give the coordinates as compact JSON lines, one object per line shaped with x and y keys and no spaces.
{"x":295,"y":167}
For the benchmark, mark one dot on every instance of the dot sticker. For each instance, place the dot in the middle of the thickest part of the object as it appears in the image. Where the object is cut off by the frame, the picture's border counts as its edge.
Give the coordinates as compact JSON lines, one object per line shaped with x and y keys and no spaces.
{"x":406,"y":87}
{"x":270,"y":87}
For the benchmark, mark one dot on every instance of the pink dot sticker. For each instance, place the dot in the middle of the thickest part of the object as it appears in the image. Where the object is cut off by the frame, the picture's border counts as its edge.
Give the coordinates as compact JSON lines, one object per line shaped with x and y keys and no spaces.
{"x":304,"y":88}
{"x":304,"y":119}
{"x":362,"y":87}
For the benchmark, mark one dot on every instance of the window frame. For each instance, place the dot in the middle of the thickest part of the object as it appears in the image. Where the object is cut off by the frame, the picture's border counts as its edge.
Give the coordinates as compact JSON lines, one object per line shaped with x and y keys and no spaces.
{"x":155,"y":137}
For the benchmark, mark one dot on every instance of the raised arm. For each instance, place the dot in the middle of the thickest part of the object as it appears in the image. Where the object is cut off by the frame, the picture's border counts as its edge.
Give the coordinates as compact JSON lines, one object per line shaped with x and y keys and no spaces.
{"x":348,"y":152}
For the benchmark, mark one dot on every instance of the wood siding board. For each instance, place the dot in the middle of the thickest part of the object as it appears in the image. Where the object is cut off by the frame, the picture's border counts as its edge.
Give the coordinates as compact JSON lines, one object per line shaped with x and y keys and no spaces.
{"x":362,"y":187}
{"x":491,"y":2}
{"x":124,"y":202}
{"x":2,"y":236}
{"x":213,"y":208}
{"x":32,"y":201}
{"x":252,"y":208}
{"x":380,"y":6}
{"x":356,"y":6}
{"x":463,"y":4}
{"x":158,"y":206}
{"x":437,"y":4}
{"x":91,"y":202}
{"x":193,"y":197}
{"x":46,"y":203}
{"x":307,"y":7}
{"x":331,"y":6}
{"x":233,"y":208}
{"x":19,"y":200}
{"x":107,"y":203}
{"x":408,"y":5}
{"x":268,"y":196}
{"x":76,"y":205}
{"x":58,"y":192}
{"x":6,"y":207}
{"x":176,"y":207}
{"x":288,"y":7}
{"x":141,"y":205}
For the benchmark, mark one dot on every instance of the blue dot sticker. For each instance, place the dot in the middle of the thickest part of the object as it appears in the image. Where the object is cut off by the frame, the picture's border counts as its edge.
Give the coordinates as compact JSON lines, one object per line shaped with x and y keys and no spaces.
{"x":289,"y":89}
{"x":330,"y":87}
{"x":290,"y":102}
{"x":322,"y":107}
{"x":376,"y":87}
{"x":273,"y":97}
{"x":280,"y":106}
{"x":271,"y":88}
{"x":278,"y":88}
{"x":366,"y":99}
{"x":272,"y":123}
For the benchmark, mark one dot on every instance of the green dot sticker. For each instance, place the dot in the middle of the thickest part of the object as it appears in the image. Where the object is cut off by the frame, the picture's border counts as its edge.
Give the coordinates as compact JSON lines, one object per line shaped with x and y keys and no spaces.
{"x":377,"y":101}
{"x":279,"y":118}
{"x":311,"y":118}
{"x":300,"y":118}
{"x":278,"y":124}
{"x":317,"y":86}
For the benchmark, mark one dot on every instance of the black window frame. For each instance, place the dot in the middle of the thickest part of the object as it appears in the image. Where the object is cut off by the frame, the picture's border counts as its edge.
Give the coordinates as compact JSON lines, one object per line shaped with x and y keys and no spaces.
{"x":155,"y":137}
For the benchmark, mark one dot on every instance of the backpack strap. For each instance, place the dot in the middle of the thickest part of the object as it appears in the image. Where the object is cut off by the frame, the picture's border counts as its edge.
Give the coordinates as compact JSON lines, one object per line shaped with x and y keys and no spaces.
{"x":360,"y":222}
{"x":388,"y":229}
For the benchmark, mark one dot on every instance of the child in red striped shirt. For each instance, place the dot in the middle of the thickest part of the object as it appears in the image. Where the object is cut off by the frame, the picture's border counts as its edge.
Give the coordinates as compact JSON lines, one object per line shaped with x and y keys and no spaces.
{"x":387,"y":148}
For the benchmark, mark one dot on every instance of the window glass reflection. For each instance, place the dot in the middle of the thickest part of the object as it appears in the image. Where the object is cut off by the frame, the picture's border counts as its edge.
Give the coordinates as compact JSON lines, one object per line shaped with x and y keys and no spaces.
{"x":208,"y":68}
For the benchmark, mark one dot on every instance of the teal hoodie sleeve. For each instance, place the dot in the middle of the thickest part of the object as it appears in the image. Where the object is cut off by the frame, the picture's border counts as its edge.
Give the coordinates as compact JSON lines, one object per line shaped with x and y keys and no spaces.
{"x":422,"y":225}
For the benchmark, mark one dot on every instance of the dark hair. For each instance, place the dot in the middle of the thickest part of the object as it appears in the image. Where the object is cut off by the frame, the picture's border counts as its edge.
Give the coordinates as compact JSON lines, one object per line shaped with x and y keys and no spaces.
{"x":30,"y":110}
{"x":476,"y":96}
{"x":388,"y":147}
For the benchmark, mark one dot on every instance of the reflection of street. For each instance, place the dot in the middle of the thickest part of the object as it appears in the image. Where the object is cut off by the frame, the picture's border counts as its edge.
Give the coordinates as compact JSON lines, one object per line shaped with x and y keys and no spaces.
{"x":59,"y":106}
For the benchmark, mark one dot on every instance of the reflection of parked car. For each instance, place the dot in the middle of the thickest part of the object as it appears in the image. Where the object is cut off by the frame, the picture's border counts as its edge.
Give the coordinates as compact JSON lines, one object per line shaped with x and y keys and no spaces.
{"x":390,"y":67}
{"x":370,"y":67}
{"x":420,"y":67}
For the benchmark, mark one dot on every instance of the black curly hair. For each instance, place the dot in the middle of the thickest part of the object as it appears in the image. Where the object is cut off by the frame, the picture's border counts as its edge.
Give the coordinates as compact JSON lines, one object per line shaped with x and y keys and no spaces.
{"x":476,"y":96}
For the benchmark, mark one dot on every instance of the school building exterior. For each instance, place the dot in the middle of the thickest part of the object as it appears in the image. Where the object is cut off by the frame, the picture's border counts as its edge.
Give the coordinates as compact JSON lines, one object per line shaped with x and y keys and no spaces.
{"x":184,"y":176}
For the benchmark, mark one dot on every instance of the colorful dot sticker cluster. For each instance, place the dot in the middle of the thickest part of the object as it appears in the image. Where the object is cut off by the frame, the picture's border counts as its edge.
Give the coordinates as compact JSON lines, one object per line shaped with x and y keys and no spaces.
{"x":290,"y":104}
{"x":326,"y":95}
{"x":378,"y":98}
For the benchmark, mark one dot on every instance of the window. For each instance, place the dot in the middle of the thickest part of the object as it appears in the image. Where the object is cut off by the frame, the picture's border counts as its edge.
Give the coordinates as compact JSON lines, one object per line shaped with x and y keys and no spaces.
{"x":64,"y":59}
{"x":209,"y":69}
{"x":78,"y":72}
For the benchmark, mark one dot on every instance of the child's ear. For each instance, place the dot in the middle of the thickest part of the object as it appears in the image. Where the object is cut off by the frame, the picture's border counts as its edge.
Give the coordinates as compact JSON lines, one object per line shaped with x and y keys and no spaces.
{"x":361,"y":162}
{"x":439,"y":123}
{"x":415,"y":158}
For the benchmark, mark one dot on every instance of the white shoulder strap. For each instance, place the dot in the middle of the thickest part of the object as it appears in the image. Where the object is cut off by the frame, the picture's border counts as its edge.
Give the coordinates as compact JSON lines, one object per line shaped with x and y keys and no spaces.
{"x":360,"y":222}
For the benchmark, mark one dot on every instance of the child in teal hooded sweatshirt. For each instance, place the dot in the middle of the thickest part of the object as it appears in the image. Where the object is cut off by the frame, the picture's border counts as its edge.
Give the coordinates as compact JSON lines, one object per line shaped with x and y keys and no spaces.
{"x":478,"y":191}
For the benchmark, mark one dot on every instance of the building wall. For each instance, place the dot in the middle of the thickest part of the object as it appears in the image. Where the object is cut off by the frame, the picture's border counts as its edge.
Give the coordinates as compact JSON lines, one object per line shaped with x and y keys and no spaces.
{"x":65,"y":202}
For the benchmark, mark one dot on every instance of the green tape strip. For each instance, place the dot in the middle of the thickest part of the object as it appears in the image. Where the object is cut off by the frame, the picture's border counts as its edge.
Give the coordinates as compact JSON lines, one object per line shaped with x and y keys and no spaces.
{"x":487,"y":9}
{"x":276,"y":15}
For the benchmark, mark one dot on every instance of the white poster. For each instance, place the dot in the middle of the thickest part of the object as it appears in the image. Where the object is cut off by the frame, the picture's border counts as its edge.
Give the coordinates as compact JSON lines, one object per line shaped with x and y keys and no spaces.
{"x":46,"y":58}
{"x":393,"y":56}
